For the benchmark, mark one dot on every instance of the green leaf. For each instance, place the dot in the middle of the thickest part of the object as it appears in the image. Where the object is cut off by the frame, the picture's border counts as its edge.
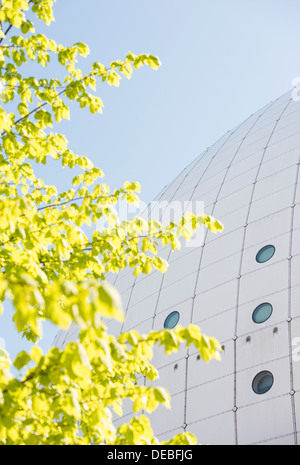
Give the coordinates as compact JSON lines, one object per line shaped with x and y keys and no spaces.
{"x":162,"y":396}
{"x":21,"y":360}
{"x":147,"y":268}
{"x":110,"y":302}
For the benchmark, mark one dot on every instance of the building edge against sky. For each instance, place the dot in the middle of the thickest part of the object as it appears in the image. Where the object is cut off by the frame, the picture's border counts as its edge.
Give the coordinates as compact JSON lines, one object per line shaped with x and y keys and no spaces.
{"x":241,"y":286}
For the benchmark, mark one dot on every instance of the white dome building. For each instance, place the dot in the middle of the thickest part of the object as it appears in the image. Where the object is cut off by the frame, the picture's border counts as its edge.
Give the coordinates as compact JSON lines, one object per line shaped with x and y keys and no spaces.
{"x":241,"y":286}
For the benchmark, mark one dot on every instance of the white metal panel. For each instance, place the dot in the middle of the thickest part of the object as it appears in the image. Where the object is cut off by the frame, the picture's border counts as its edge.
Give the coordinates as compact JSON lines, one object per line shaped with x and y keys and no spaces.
{"x":224,"y":156}
{"x":297,"y":410}
{"x":271,"y":204}
{"x":291,"y":112}
{"x":174,"y":187}
{"x":260,"y":133}
{"x":274,"y":112}
{"x":281,"y":372}
{"x":234,"y":201}
{"x":268,"y":227}
{"x":284,"y":131}
{"x":218,"y":273}
{"x":296,"y":242}
{"x":164,"y":419}
{"x":262,"y":346}
{"x":146,"y":287}
{"x":278,"y":163}
{"x":184,"y":309}
{"x":232,"y":220}
{"x":125,"y":296}
{"x":185,"y":248}
{"x":295,"y":299}
{"x":143,"y":328}
{"x":175,"y":209}
{"x":242,"y":165}
{"x":264,"y":281}
{"x":207,"y":197}
{"x":169,"y":434}
{"x":215,"y":431}
{"x":295,"y":270}
{"x":122,"y":420}
{"x":177,"y":292}
{"x":172,"y":377}
{"x":140,"y":312}
{"x":183,"y":265}
{"x":210,"y":399}
{"x":286,"y":440}
{"x":160,"y":359}
{"x":221,"y":326}
{"x":210,"y":183}
{"x":222,"y":247}
{"x":297,"y":216}
{"x":278,"y":300}
{"x":281,"y":244}
{"x":124,"y":280}
{"x":215,"y":300}
{"x":277,"y":181}
{"x":238,"y":182}
{"x":183,"y":196}
{"x":239,"y":132}
{"x":200,"y":372}
{"x":133,"y":319}
{"x":114,"y":327}
{"x":297,"y":199}
{"x":285,"y":145}
{"x":295,"y":343}
{"x":258,"y":139}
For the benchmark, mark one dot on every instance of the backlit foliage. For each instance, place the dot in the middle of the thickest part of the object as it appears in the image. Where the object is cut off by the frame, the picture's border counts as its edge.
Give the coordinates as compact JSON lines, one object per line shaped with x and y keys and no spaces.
{"x":51,"y":270}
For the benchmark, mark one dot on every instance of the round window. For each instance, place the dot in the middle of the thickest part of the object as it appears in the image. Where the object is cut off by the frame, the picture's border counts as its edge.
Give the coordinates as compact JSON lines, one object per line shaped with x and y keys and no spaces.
{"x":171,"y":320}
{"x":262,"y":313}
{"x":265,"y":254}
{"x":262,"y":382}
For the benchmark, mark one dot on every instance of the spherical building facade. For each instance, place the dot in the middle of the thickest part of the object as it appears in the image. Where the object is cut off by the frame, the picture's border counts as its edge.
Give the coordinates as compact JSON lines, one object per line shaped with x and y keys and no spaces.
{"x":241,"y":286}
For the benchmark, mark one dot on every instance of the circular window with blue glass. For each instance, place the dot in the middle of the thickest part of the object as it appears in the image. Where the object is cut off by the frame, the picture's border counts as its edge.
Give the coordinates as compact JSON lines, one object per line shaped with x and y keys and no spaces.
{"x":262,"y":313}
{"x":262,"y":382}
{"x":171,"y":320}
{"x":265,"y":254}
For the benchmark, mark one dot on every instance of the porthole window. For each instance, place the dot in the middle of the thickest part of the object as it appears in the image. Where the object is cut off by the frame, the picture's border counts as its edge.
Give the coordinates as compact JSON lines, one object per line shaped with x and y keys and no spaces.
{"x":171,"y":320}
{"x":262,"y":313}
{"x":262,"y":382}
{"x":265,"y":254}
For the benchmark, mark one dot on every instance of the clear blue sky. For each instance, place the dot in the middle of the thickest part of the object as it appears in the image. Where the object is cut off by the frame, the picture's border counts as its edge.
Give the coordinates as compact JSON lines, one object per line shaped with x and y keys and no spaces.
{"x":221,"y":61}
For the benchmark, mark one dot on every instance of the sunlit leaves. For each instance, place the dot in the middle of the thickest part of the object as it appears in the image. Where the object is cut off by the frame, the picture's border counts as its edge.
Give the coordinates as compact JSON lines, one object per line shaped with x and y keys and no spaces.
{"x":22,"y":359}
{"x":6,"y":120}
{"x":43,"y":9}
